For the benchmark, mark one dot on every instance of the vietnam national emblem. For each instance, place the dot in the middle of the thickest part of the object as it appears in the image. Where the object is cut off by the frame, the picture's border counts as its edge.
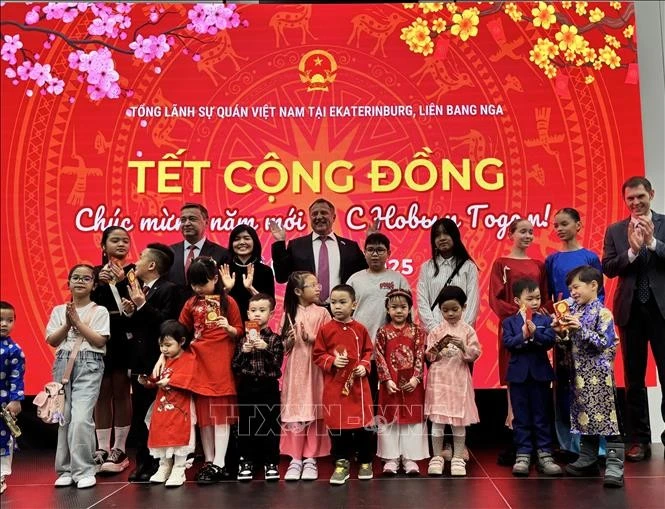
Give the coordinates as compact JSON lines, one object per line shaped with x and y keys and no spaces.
{"x":317,"y":69}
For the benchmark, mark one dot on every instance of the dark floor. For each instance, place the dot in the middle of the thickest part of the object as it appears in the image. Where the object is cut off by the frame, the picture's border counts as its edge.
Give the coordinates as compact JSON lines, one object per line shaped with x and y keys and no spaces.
{"x":487,"y":486}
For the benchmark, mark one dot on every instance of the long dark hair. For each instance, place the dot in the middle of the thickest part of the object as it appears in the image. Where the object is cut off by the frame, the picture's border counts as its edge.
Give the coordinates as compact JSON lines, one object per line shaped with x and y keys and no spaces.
{"x":202,"y":270}
{"x":241,"y":228}
{"x":296,"y":281}
{"x":448,"y":226}
{"x":105,"y":236}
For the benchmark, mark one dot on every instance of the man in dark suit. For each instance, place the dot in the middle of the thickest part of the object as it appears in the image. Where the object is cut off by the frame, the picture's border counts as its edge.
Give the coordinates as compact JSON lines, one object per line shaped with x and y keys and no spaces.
{"x":154,"y":299}
{"x":332,"y":258}
{"x":634,"y":250}
{"x":193,"y":223}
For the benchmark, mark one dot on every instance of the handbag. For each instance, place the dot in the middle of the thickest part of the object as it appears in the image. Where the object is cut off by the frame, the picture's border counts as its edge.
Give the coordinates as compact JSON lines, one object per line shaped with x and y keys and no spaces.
{"x":50,"y":401}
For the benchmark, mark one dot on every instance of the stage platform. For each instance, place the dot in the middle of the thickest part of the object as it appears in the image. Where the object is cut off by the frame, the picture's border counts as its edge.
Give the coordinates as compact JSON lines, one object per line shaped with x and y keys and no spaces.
{"x":487,"y":486}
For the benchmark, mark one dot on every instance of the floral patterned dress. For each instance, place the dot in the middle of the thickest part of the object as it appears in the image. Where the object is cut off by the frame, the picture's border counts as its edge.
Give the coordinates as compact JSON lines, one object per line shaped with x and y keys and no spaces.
{"x":593,"y":410}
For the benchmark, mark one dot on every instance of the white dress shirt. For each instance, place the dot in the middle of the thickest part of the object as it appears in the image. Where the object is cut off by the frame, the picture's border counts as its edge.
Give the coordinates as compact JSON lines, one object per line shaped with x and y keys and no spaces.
{"x":333,"y":257}
{"x":197,"y":250}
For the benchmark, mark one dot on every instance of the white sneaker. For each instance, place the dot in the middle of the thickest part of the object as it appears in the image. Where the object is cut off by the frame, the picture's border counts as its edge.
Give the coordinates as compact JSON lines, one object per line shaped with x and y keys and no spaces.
{"x":435,"y":466}
{"x":294,"y":471}
{"x":391,"y":467}
{"x":164,"y":470}
{"x":63,"y":480}
{"x":457,"y":467}
{"x":411,"y":467}
{"x":86,"y":482}
{"x":310,"y":472}
{"x":177,"y":477}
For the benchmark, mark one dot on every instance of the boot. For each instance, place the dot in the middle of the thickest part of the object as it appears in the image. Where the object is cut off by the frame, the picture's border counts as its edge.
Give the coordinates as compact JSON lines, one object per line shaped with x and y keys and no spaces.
{"x":177,"y":477}
{"x":164,"y":470}
{"x":587,"y":462}
{"x":614,"y":465}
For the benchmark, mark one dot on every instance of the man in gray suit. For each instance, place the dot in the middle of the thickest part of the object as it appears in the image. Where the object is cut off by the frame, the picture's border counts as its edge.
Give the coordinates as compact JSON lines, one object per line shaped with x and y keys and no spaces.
{"x":634,"y":250}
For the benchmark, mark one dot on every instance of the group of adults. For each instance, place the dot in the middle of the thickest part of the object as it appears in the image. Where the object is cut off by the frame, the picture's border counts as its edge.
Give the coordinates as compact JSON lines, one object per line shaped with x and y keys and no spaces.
{"x":634,"y":252}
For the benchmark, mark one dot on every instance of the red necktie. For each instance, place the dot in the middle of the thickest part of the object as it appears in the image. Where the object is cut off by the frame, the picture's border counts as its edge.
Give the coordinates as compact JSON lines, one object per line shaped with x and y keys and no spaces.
{"x":324,"y":270}
{"x":145,"y":289}
{"x":190,"y":257}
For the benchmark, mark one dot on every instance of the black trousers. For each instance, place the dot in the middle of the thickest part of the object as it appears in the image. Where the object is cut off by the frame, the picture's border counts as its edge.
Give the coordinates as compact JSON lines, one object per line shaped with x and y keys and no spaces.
{"x":347,"y":442}
{"x":258,"y":420}
{"x":646,"y":325}
{"x":142,"y":398}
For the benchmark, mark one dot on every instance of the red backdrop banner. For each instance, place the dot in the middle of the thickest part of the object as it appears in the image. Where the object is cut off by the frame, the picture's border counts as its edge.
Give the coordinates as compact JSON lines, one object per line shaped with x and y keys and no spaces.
{"x":117,"y":114}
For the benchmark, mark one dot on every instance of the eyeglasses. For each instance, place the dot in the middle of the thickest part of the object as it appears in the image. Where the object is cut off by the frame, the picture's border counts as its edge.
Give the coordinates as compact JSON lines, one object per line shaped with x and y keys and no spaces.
{"x":317,"y":285}
{"x":379,"y":250}
{"x":81,"y":279}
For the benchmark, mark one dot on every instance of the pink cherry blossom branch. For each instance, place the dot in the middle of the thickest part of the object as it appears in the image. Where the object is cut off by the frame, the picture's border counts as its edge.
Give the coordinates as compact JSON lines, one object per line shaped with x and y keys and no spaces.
{"x":136,"y":30}
{"x":74,"y":43}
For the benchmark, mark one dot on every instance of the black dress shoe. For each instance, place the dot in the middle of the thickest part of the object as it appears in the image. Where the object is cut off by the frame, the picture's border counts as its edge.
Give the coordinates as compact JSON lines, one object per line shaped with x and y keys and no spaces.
{"x":638,"y":452}
{"x":210,"y":474}
{"x":143,"y":472}
{"x":229,"y":474}
{"x":133,"y":475}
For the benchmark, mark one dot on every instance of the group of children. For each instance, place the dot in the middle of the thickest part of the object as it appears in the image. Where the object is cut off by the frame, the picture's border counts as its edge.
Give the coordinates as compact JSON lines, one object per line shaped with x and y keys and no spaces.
{"x":306,"y":392}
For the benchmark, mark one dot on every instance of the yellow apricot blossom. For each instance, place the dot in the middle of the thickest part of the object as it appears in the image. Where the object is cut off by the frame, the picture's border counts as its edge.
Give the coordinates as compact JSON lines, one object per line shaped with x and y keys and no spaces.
{"x":465,"y":24}
{"x":417,"y":37}
{"x":609,"y":57}
{"x":513,"y":11}
{"x":629,"y":31}
{"x":538,"y":57}
{"x":550,"y":71}
{"x":596,"y":15}
{"x":589,"y":80}
{"x":579,"y":43}
{"x":589,"y":54}
{"x":548,"y":48}
{"x":452,"y":7}
{"x":428,"y":7}
{"x":543,"y":15}
{"x":566,"y":5}
{"x":616,"y":5}
{"x":580,"y":8}
{"x":597,"y":65}
{"x":612,"y":41}
{"x":439,"y":25}
{"x":566,"y":36}
{"x":408,"y":6}
{"x":569,"y":55}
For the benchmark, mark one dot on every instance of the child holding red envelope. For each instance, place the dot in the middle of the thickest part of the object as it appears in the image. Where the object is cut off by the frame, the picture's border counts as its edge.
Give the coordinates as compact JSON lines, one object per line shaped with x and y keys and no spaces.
{"x":343,"y":350}
{"x":527,"y":335}
{"x":400,"y":352}
{"x":452,"y":347}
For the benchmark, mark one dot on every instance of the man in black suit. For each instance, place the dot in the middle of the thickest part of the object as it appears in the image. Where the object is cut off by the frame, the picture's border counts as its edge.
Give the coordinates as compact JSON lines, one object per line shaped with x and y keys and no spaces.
{"x":193,"y":223}
{"x":634,"y":250}
{"x":332,"y":258}
{"x":154,"y":299}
